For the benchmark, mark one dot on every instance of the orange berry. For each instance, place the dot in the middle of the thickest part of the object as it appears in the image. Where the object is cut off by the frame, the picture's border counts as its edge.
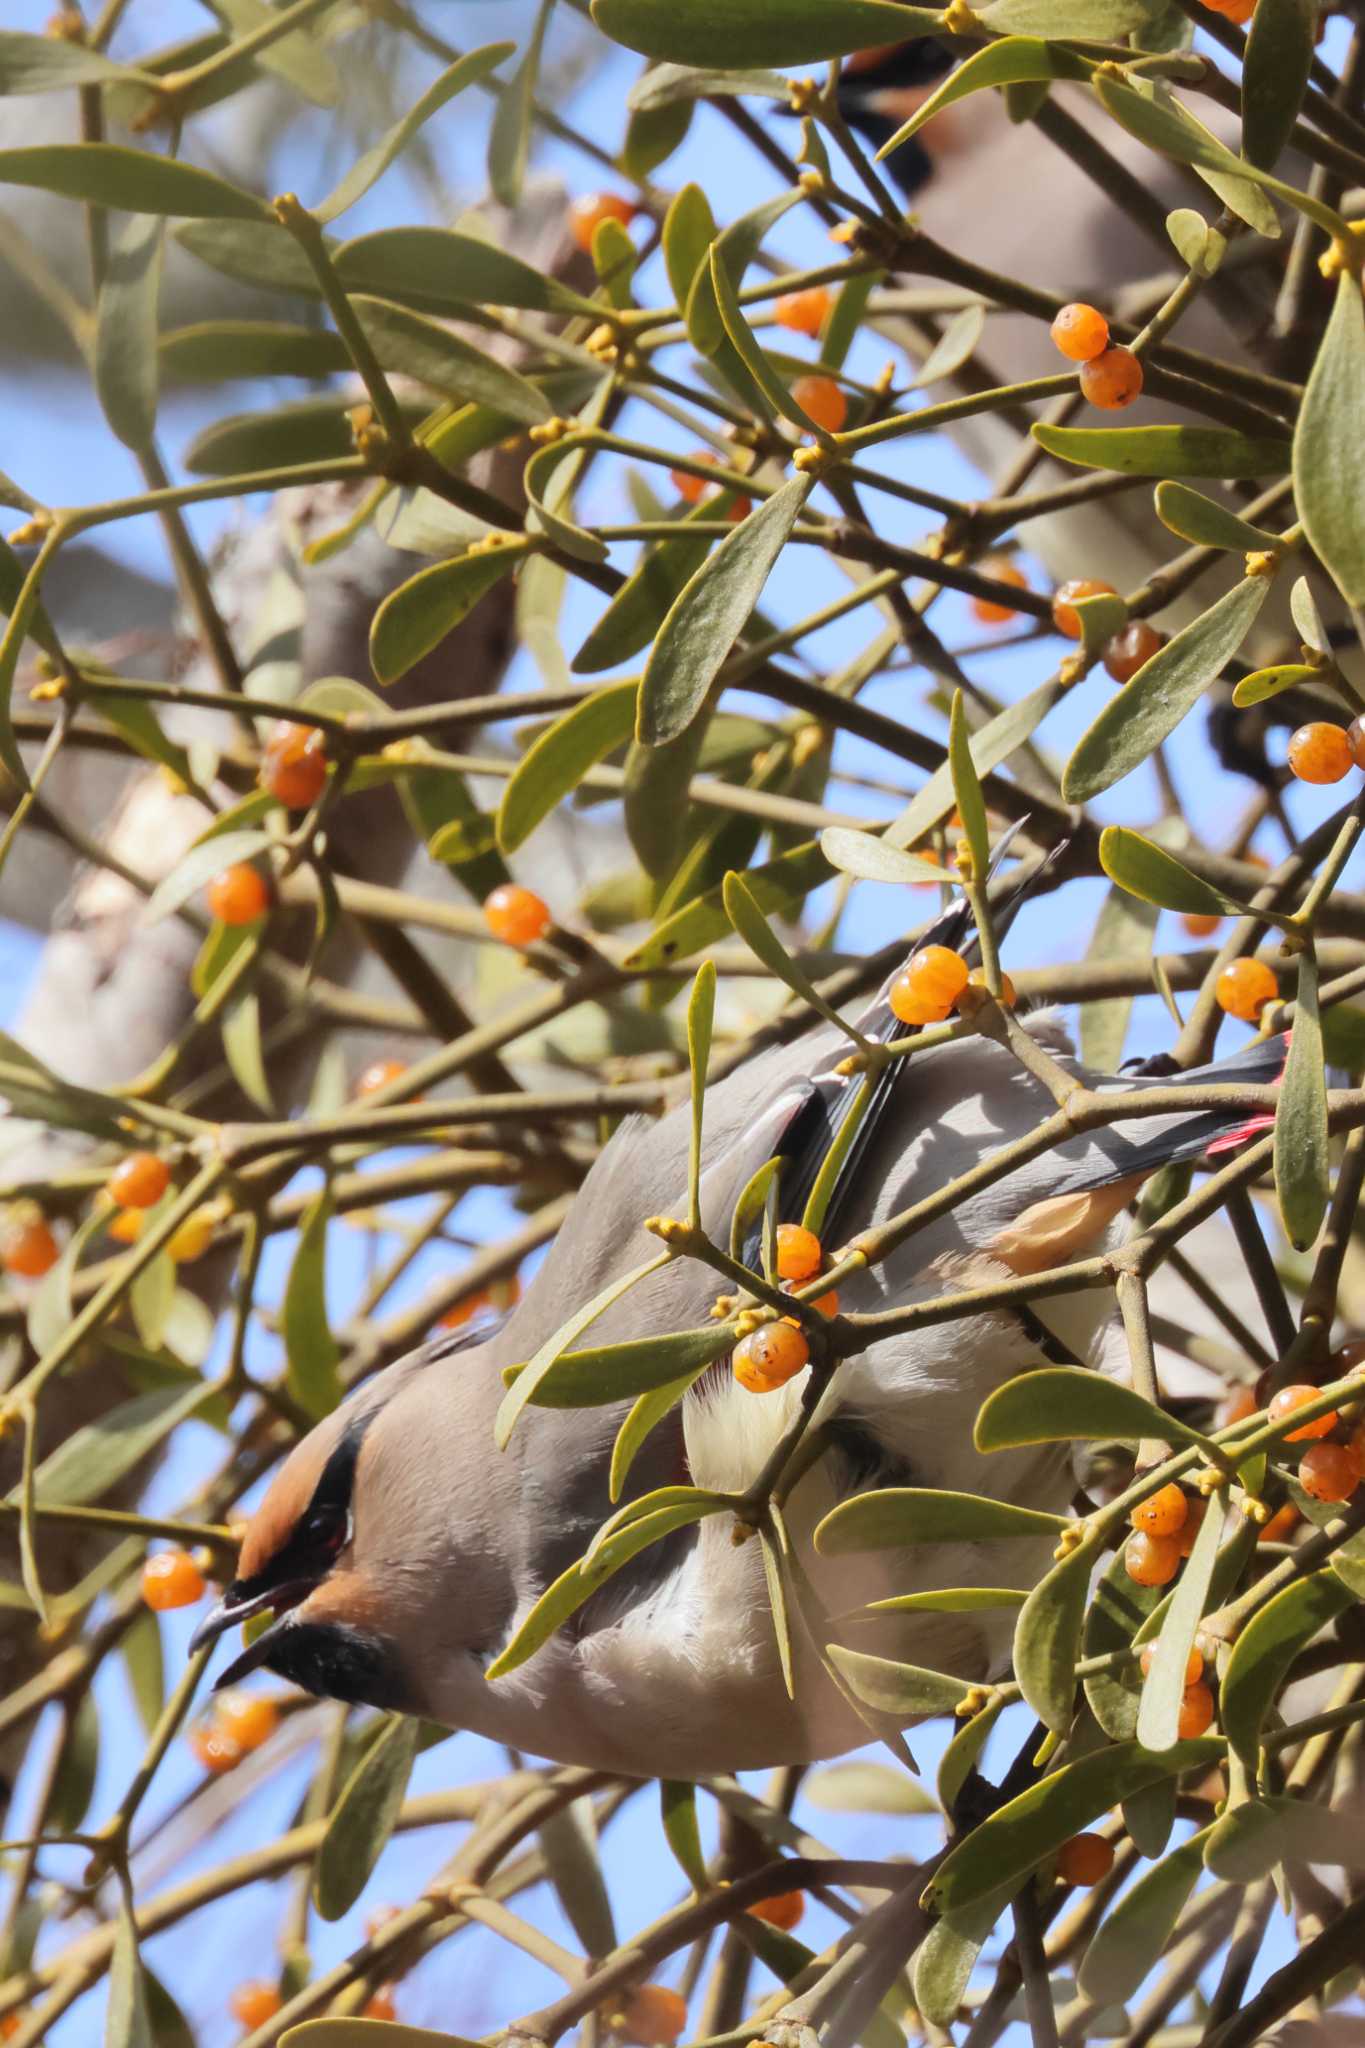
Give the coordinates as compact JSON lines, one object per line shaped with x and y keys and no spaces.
{"x":653,"y":2016}
{"x":1067,"y":596}
{"x":1151,"y":1560}
{"x":378,"y":1075}
{"x":1008,"y":996}
{"x":803,"y":312}
{"x":1319,"y":752}
{"x":1112,"y":379}
{"x":515,"y":915}
{"x":1191,"y":1525}
{"x":1194,"y":1664}
{"x":823,"y":1304}
{"x":1281,"y":1525}
{"x":255,"y":2002}
{"x":822,"y":401}
{"x":1238,"y":11}
{"x":381,"y":2006}
{"x":171,"y":1579}
{"x":1085,"y":1859}
{"x":987,"y":610}
{"x":784,"y":1911}
{"x":1329,"y":1472}
{"x":27,"y":1246}
{"x":10,"y":2025}
{"x":250,"y":1718}
{"x":1196,"y":1711}
{"x":1239,"y":1404}
{"x":1081,"y":332}
{"x":1200,"y":924}
{"x":1287,"y":1400}
{"x":192,"y":1239}
{"x":215,"y":1750}
{"x":1131,"y":650}
{"x":464,"y":1310}
{"x":692,"y":489}
{"x":126,"y":1224}
{"x":1245,"y":987}
{"x":928,"y":985}
{"x":1163,"y":1514}
{"x":294,"y":765}
{"x":239,"y":895}
{"x":768,"y":1357}
{"x":1355,"y":1448}
{"x":799,"y":1254}
{"x":586,"y":214}
{"x":139,"y":1181}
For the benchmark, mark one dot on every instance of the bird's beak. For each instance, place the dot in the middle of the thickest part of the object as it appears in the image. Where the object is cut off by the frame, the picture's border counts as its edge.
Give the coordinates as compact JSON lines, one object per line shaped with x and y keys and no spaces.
{"x":237,"y":1605}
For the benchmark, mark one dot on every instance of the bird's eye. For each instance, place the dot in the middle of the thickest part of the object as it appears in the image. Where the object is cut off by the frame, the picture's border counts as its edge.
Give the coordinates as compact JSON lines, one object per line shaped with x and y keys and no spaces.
{"x":326,"y":1529}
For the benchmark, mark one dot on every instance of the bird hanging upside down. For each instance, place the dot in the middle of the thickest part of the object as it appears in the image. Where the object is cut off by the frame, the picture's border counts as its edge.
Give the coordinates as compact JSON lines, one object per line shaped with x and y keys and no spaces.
{"x":399,"y":1551}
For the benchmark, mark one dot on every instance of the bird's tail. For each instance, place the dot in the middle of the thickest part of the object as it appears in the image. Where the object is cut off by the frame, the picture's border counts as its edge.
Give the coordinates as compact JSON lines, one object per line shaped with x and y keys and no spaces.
{"x":1145,"y":1145}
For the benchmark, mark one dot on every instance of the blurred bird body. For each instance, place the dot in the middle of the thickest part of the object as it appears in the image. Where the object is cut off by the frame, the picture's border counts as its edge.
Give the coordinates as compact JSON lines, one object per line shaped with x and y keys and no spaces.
{"x":401,"y":1552}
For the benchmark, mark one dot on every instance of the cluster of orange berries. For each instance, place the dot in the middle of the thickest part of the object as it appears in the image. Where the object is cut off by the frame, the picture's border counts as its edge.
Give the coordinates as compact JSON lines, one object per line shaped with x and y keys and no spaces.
{"x":932,"y":984}
{"x":1165,"y":1526}
{"x":774,"y":1353}
{"x":1123,"y":655}
{"x":256,"y":2002}
{"x":238,"y":1723}
{"x":1328,"y":1471}
{"x":1323,"y":752}
{"x":1111,"y":376}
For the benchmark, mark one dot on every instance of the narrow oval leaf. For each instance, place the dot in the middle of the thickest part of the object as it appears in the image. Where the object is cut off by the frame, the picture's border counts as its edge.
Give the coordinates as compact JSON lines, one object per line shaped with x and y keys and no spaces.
{"x":701,"y":1017}
{"x":363,"y":2033}
{"x":125,"y":331}
{"x":943,"y":1968}
{"x":1329,"y":488}
{"x":778,"y":886}
{"x":896,"y":1515}
{"x":569,"y":1842}
{"x":662,"y":85}
{"x":1136,"y":1930}
{"x":429,"y":352}
{"x":688,"y":232}
{"x":873,"y":859}
{"x":1210,"y":525}
{"x":1150,"y":707}
{"x":1118,"y":1615}
{"x":30,"y":63}
{"x":439,"y":266}
{"x":1018,"y":61}
{"x":1062,"y":1403}
{"x":101,"y":1453}
{"x":709,"y":614}
{"x":645,"y":1413}
{"x":529,"y":1378}
{"x":867,"y":1787}
{"x":302,"y":430}
{"x":964,"y":1751}
{"x":1302,"y":1153}
{"x":363,"y":1818}
{"x":1275,"y":73}
{"x":949,"y":1600}
{"x":1304,"y":612}
{"x":557,"y":762}
{"x":1268,"y":682}
{"x":1145,"y":869}
{"x":753,"y":32}
{"x":416,"y":617}
{"x":313,"y":1353}
{"x":1250,"y":1839}
{"x":127,"y":2024}
{"x":1166,"y":451}
{"x":372,"y":165}
{"x":1047,"y":1637}
{"x":1264,"y":1651}
{"x":1096,"y":20}
{"x":1158,"y":1722}
{"x":1033,"y":1826}
{"x":619,"y":1372}
{"x":254,"y":252}
{"x":214,"y":349}
{"x":134,"y":180}
{"x":905,"y":1691}
{"x":678,"y":1811}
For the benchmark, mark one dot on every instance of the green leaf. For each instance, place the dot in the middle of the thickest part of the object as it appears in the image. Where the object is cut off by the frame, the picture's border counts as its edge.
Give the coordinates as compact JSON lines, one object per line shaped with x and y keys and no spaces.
{"x":745,"y":343}
{"x":74,"y":1784}
{"x":194,"y":870}
{"x":709,"y":614}
{"x":905,"y":1691}
{"x":1264,"y":1651}
{"x":619,"y":1372}
{"x":1149,"y":110}
{"x":1200,"y":247}
{"x":761,"y":32}
{"x":241,"y":1034}
{"x":254,"y":252}
{"x":633,"y":617}
{"x":440,"y":266}
{"x":652,"y":135}
{"x":758,"y":935}
{"x":895,"y":1515}
{"x":363,"y":2033}
{"x":125,"y":331}
{"x":101,"y":1453}
{"x":146,"y":1668}
{"x":1123,"y":931}
{"x":582,"y":1580}
{"x":865,"y":1787}
{"x":663,"y":85}
{"x":1275,"y":72}
{"x":568,"y":1841}
{"x":1158,"y":1722}
{"x":433,"y":355}
{"x":361,"y":1822}
{"x":949,"y":1600}
{"x":644,"y":1414}
{"x":965,"y":1750}
{"x":213,"y":349}
{"x":372,"y":165}
{"x":1302,"y":1149}
{"x":556,"y":763}
{"x":943,"y":1968}
{"x":136,"y":181}
{"x":1304,"y":612}
{"x":1328,"y":485}
{"x":530,"y":1379}
{"x":31,"y":63}
{"x":302,"y":430}
{"x":1268,"y":682}
{"x":150,"y":1299}
{"x":127,"y":2024}
{"x":417,"y":616}
{"x":313,"y":1353}
{"x":1136,"y":1930}
{"x":1062,"y":1403}
{"x":1047,"y":1636}
{"x":1149,"y":708}
{"x":509,"y":135}
{"x":1016,"y":61}
{"x":701,"y":1017}
{"x":994,"y":743}
{"x":777,"y":886}
{"x":1145,"y":869}
{"x":1208,"y":524}
{"x":967,"y":789}
{"x":688,"y":232}
{"x":1096,"y":20}
{"x":1032,"y":1827}
{"x":873,"y":859}
{"x":1165,"y":451}
{"x":678,"y":1811}
{"x":437,"y":799}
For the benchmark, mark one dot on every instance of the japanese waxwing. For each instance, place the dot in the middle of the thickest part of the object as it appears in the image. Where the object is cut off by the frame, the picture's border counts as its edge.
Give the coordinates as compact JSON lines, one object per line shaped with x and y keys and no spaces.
{"x":399,"y":1551}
